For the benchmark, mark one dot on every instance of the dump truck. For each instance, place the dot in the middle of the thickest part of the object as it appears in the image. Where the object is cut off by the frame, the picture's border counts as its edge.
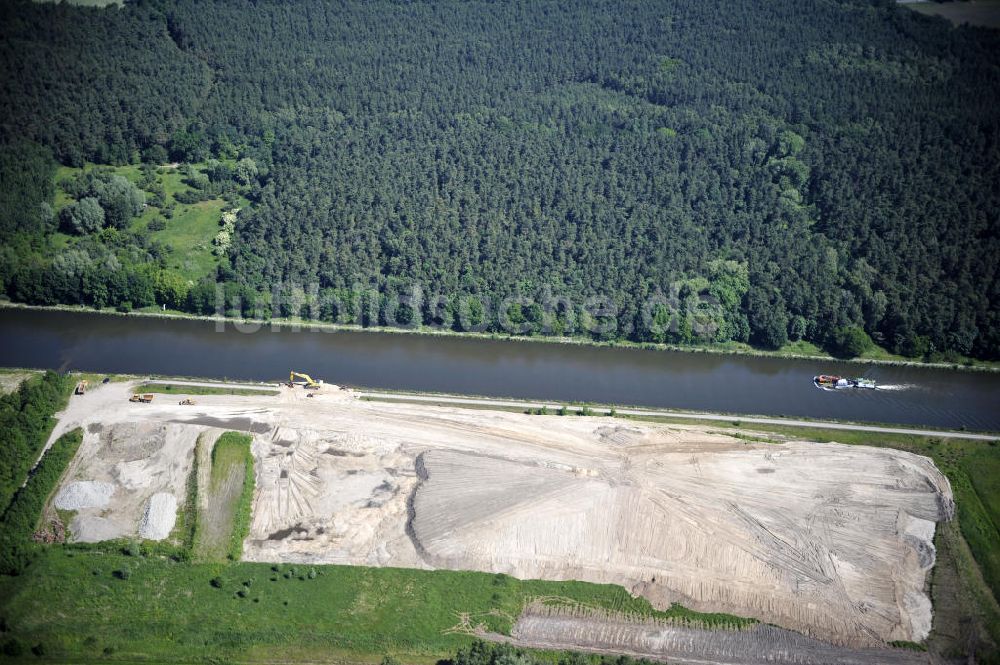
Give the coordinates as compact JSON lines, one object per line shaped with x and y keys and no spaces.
{"x":146,"y":398}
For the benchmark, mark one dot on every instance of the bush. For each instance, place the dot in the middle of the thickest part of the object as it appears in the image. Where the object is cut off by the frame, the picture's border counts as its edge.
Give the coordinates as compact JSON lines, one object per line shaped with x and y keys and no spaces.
{"x":82,"y":217}
{"x":155,"y":154}
{"x":189,"y":196}
{"x":216,"y":582}
{"x":123,"y":573}
{"x":157,"y":224}
{"x":850,"y":342}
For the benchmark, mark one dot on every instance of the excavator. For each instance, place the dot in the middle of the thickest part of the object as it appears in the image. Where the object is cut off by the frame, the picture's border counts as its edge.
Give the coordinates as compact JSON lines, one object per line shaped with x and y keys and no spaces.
{"x":311,"y":384}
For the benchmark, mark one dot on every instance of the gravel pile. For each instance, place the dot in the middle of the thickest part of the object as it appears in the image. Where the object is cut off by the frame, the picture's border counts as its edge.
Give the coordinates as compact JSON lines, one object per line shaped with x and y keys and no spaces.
{"x":84,"y":494}
{"x":161,"y":513}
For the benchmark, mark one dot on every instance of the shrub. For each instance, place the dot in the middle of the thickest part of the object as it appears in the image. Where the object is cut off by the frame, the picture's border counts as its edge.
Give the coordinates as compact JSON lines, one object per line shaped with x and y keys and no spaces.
{"x":84,"y":216}
{"x":850,"y":341}
{"x":216,"y":582}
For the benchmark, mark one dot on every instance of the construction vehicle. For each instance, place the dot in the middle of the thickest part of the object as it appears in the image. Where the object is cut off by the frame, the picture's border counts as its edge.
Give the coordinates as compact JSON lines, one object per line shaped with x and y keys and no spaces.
{"x":145,"y":398}
{"x":81,"y":388}
{"x":187,"y":401}
{"x":310,"y":383}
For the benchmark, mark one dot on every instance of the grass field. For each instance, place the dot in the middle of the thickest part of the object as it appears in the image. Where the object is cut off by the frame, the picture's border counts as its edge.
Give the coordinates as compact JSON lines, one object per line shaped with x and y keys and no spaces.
{"x":74,"y":602}
{"x":170,"y":389}
{"x":224,"y":516}
{"x":975,"y":12}
{"x":188,"y":233}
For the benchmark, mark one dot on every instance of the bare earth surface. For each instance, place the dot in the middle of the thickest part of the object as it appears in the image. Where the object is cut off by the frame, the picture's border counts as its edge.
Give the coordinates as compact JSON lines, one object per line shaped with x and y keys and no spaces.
{"x":10,"y":381}
{"x":829,"y":540}
{"x":759,"y":645}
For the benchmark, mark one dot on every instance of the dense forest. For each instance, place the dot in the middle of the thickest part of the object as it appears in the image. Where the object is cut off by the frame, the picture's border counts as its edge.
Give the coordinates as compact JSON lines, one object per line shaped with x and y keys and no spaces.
{"x":671,"y":171}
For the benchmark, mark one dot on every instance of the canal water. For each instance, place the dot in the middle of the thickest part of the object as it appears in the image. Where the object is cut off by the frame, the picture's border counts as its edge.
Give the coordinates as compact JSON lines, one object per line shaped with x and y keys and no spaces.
{"x":695,"y":381}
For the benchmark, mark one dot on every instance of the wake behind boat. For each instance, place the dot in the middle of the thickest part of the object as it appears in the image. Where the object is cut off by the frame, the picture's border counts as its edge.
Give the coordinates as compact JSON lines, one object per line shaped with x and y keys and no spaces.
{"x":831,"y":382}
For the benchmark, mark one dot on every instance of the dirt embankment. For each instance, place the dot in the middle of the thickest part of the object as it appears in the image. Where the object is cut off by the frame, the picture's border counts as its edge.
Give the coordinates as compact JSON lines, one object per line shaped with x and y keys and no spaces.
{"x":544,"y":628}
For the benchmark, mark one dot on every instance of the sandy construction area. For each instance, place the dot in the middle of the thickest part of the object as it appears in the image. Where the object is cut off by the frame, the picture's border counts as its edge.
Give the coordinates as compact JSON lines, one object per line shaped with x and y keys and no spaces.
{"x":833,"y":541}
{"x":548,"y":628}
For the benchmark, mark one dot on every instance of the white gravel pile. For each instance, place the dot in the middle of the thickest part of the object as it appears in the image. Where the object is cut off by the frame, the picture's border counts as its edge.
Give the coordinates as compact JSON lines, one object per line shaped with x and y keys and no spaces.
{"x":161,"y":513}
{"x":84,"y":494}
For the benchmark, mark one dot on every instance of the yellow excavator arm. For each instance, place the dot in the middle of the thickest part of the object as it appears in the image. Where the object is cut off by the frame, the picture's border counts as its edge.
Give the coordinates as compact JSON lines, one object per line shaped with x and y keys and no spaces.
{"x":310,"y":382}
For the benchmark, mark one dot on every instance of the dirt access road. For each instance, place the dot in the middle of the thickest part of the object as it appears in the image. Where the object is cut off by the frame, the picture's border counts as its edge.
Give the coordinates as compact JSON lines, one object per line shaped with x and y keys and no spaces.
{"x":693,"y":415}
{"x":832,"y":541}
